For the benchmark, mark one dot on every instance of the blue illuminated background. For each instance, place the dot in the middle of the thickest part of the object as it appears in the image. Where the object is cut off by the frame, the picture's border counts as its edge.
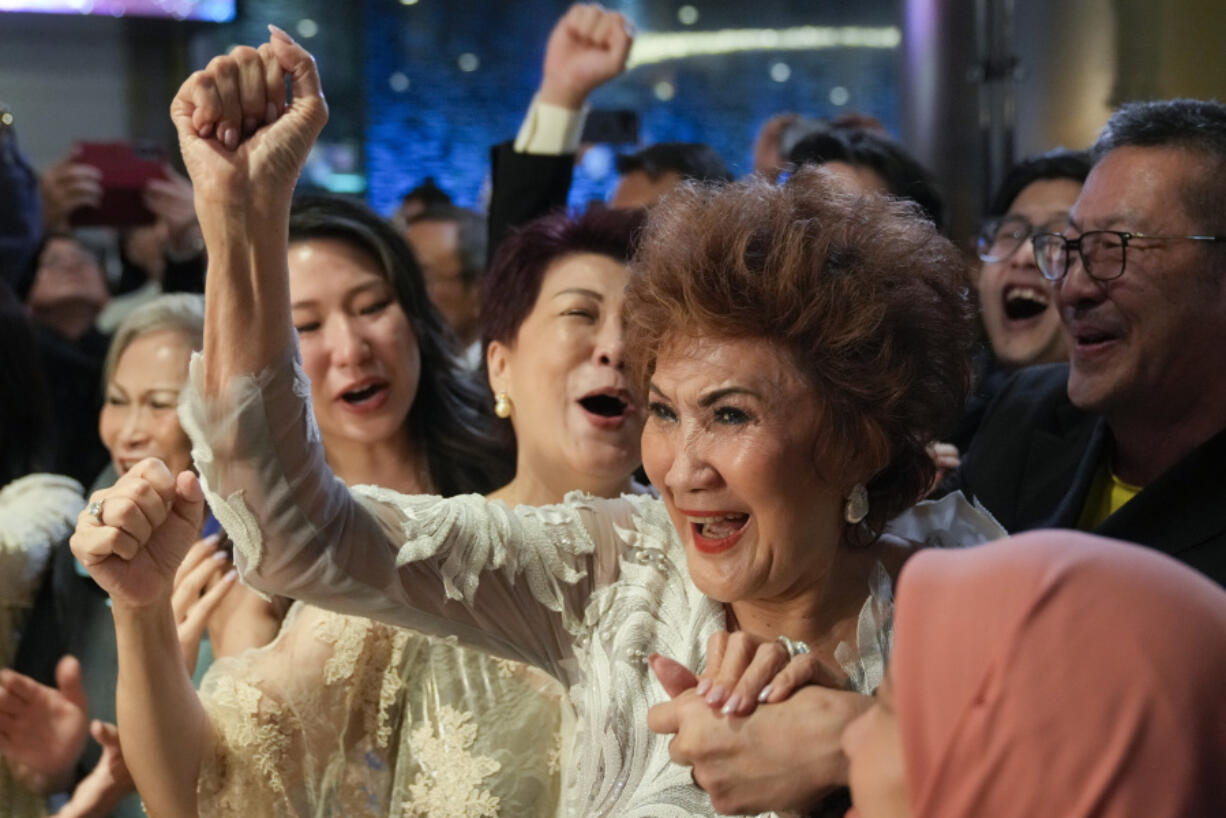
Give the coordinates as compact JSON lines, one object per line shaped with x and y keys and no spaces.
{"x":425,"y":88}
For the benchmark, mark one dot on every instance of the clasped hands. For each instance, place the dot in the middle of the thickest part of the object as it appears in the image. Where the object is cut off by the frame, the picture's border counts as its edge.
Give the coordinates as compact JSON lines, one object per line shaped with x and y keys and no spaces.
{"x":760,"y":730}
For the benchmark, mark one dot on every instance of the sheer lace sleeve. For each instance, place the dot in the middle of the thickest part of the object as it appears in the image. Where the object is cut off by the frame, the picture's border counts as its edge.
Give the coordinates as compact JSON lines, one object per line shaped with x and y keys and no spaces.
{"x":514,"y":583}
{"x":344,"y":716}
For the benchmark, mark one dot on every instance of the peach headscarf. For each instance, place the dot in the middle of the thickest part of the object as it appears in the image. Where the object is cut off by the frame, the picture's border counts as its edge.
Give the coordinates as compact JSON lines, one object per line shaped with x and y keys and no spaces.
{"x":1062,"y":675}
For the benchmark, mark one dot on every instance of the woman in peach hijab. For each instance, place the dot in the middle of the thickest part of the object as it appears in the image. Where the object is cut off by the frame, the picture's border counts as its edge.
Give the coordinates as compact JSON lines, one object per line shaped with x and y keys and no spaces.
{"x":1054,"y":674}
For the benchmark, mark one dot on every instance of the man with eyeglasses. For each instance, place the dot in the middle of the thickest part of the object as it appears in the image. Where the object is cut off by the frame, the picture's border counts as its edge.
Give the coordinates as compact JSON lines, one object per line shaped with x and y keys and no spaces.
{"x":1129,"y":438}
{"x":1021,"y":324}
{"x":1020,"y":320}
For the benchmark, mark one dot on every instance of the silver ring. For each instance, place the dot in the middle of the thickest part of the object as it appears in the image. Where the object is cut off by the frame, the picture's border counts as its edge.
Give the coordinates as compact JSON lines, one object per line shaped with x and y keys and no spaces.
{"x":95,"y":510}
{"x":794,"y":647}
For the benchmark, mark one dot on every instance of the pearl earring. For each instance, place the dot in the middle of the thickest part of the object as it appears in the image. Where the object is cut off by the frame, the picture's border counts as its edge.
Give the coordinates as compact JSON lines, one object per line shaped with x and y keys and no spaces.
{"x":502,"y":405}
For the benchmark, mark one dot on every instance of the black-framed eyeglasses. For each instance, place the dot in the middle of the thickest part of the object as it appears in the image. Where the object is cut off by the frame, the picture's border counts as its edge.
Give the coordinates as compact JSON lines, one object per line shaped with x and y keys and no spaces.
{"x":1001,"y":238}
{"x":1103,"y":252}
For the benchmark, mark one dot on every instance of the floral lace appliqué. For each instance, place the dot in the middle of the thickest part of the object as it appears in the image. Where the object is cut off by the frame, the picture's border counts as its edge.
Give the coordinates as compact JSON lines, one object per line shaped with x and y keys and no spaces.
{"x":260,"y":738}
{"x":554,"y":759}
{"x":347,"y":636}
{"x":452,"y":781}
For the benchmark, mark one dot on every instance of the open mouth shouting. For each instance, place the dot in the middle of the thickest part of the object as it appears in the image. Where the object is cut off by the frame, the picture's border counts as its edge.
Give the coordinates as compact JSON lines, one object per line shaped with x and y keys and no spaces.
{"x":366,"y":395}
{"x":607,"y":408}
{"x":1023,"y":302}
{"x":716,"y":531}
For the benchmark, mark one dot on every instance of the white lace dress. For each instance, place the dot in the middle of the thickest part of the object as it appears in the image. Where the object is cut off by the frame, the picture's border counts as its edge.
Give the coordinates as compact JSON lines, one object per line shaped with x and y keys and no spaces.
{"x":584,"y":590}
{"x":37,"y":513}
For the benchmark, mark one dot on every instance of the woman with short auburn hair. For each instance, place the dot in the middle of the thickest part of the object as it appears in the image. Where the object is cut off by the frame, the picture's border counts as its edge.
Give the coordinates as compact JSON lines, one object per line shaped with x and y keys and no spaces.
{"x":869,"y":303}
{"x":555,"y":347}
{"x":513,"y":283}
{"x":751,"y":531}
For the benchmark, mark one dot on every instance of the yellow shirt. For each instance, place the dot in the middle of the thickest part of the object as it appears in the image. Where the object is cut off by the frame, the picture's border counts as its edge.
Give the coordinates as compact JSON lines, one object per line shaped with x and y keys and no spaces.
{"x":1108,"y":494}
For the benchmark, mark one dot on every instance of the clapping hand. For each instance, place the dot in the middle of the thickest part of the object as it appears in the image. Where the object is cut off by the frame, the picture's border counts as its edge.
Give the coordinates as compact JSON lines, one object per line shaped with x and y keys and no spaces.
{"x":106,"y":784}
{"x":588,"y":47}
{"x":202,"y":581}
{"x":43,"y":729}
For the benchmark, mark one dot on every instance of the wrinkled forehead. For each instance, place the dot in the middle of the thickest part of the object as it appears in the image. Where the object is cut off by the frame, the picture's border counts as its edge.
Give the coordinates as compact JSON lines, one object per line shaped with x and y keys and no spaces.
{"x":697,"y":362}
{"x":1141,"y":189}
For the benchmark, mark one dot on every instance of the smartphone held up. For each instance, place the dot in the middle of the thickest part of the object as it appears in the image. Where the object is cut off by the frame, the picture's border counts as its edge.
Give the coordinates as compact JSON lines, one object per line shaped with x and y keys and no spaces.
{"x":126,"y":168}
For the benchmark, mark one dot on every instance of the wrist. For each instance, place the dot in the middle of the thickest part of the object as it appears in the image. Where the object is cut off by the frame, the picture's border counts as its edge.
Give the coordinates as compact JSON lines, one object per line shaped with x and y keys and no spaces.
{"x":562,"y":94}
{"x":142,"y":615}
{"x":247,"y":226}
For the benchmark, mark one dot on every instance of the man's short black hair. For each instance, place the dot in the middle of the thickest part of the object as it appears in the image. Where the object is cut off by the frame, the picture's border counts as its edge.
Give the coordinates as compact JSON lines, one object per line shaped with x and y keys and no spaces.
{"x":862,"y":147}
{"x":473,"y":237}
{"x":1195,"y":125}
{"x":689,"y":160}
{"x":1060,"y":163}
{"x":428,"y":193}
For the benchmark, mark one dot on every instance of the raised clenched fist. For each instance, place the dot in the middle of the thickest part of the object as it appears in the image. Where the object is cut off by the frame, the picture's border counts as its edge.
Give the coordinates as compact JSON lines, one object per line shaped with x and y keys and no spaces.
{"x":588,"y":47}
{"x":133,"y":536}
{"x":242,"y":144}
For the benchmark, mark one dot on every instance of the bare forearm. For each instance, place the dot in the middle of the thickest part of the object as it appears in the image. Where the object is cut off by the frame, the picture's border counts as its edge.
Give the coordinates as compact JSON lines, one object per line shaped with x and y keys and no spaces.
{"x":162,"y":724}
{"x":247,"y":314}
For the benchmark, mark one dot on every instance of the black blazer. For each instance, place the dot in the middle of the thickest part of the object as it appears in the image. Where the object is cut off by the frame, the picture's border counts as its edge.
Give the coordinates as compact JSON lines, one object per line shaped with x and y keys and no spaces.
{"x":524,"y":187}
{"x":1035,"y":455}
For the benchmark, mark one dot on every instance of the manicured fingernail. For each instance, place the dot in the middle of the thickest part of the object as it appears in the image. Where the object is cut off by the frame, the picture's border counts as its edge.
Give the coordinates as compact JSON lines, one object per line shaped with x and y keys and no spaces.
{"x":765,"y":694}
{"x":703,"y":687}
{"x":270,"y":113}
{"x":732,"y":705}
{"x":717,"y":695}
{"x":206,"y":130}
{"x":230,"y":137}
{"x":280,"y":34}
{"x":220,"y":556}
{"x":231,"y":575}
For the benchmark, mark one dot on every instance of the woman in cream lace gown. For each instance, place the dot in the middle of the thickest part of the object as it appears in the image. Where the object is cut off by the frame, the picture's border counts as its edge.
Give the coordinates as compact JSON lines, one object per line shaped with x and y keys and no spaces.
{"x":799,"y":347}
{"x":341,"y":715}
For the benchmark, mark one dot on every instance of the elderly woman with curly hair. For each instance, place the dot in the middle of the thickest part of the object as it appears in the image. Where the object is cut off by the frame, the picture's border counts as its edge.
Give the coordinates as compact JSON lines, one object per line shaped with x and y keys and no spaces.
{"x":797,"y":346}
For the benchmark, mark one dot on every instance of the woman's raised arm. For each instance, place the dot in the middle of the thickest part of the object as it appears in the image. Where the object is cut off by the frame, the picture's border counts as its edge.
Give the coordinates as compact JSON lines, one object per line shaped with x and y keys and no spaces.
{"x":297,"y":530}
{"x":244,"y":148}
